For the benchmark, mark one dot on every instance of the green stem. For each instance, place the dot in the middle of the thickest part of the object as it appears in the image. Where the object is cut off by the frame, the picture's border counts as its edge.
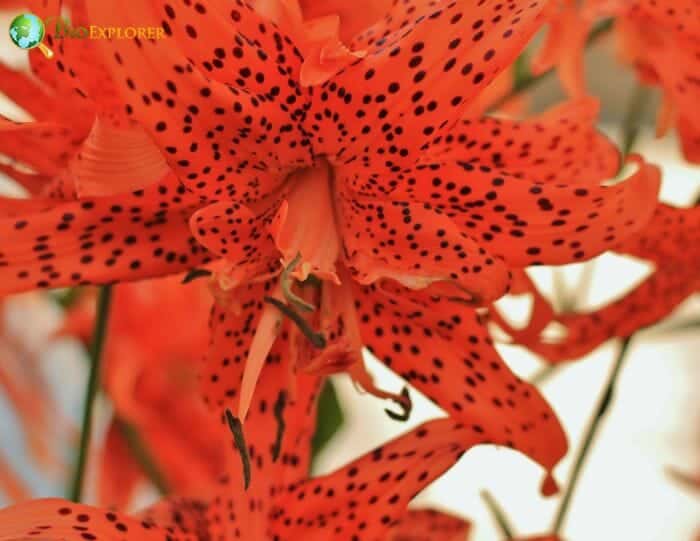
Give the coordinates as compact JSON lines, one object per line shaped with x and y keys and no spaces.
{"x":633,"y":119}
{"x":498,"y":515}
{"x":589,"y":436}
{"x":525,"y":82}
{"x":543,"y":374}
{"x":98,"y":340}
{"x":142,"y":456}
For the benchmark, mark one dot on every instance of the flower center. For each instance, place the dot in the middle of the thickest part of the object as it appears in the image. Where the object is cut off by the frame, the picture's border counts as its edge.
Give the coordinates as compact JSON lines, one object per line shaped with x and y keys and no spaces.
{"x":306,"y":228}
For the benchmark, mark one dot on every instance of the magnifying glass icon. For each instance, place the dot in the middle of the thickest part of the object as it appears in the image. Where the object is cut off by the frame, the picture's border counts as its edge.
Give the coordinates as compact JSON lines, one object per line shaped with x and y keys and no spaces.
{"x":27,"y":31}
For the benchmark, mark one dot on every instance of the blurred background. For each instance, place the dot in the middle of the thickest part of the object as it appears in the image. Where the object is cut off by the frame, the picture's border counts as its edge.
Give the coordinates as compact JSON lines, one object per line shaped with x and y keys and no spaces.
{"x":626,"y":491}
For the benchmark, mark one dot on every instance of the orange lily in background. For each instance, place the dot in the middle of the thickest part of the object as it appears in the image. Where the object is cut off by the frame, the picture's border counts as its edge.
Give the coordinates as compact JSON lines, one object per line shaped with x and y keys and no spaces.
{"x":156,"y":334}
{"x":21,"y":381}
{"x":660,"y":39}
{"x":325,"y":206}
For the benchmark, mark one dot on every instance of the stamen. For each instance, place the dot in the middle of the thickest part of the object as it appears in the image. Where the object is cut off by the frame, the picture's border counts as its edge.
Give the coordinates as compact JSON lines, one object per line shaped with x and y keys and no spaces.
{"x":237,"y":430}
{"x":286,"y":281}
{"x":193,"y":274}
{"x":278,"y":411}
{"x":406,"y":404}
{"x":317,"y":339}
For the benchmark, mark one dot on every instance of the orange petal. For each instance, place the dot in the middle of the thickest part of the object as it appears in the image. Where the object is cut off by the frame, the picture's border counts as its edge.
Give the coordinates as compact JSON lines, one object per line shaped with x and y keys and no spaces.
{"x":560,"y":145}
{"x":670,"y":241}
{"x":387,"y":477}
{"x":225,"y":120}
{"x":430,"y":525}
{"x":529,"y":222}
{"x":446,"y":352}
{"x":99,"y":240}
{"x":417,"y":246}
{"x":60,"y":520}
{"x":424,"y":65}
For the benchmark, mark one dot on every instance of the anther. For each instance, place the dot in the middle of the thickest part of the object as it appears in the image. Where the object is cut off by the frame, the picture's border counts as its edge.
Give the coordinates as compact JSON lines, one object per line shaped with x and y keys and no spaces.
{"x":234,"y":423}
{"x":406,"y":404}
{"x":278,"y":410}
{"x":193,"y":274}
{"x":317,"y":339}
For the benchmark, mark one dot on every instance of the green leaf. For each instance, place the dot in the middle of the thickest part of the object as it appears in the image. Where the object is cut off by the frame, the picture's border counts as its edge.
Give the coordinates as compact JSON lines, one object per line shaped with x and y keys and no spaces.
{"x":329,"y":418}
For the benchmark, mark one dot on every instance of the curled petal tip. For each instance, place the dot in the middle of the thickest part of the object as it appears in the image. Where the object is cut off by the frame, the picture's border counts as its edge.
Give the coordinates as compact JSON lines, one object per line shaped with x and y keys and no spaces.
{"x":549,"y":486}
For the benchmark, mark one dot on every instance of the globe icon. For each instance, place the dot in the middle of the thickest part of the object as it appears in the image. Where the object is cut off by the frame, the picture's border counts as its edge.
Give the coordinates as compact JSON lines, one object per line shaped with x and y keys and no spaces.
{"x":27,"y":31}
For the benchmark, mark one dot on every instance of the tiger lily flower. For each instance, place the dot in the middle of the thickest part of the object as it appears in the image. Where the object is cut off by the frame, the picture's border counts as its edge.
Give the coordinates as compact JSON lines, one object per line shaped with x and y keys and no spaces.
{"x":670,"y":242}
{"x":659,"y":39}
{"x":150,"y":375}
{"x":334,"y":216}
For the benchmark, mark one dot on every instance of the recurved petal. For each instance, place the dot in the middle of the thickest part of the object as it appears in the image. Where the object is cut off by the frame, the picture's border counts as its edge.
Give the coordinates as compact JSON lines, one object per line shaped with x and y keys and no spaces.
{"x":650,"y":302}
{"x":367,"y":498}
{"x":672,"y":234}
{"x":560,"y":145}
{"x":671,"y":241}
{"x":60,"y":520}
{"x":415,"y":83}
{"x":541,"y":314}
{"x":445,"y":351}
{"x":100,"y":240}
{"x":238,"y":140}
{"x":528,"y":222}
{"x":418,"y":246}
